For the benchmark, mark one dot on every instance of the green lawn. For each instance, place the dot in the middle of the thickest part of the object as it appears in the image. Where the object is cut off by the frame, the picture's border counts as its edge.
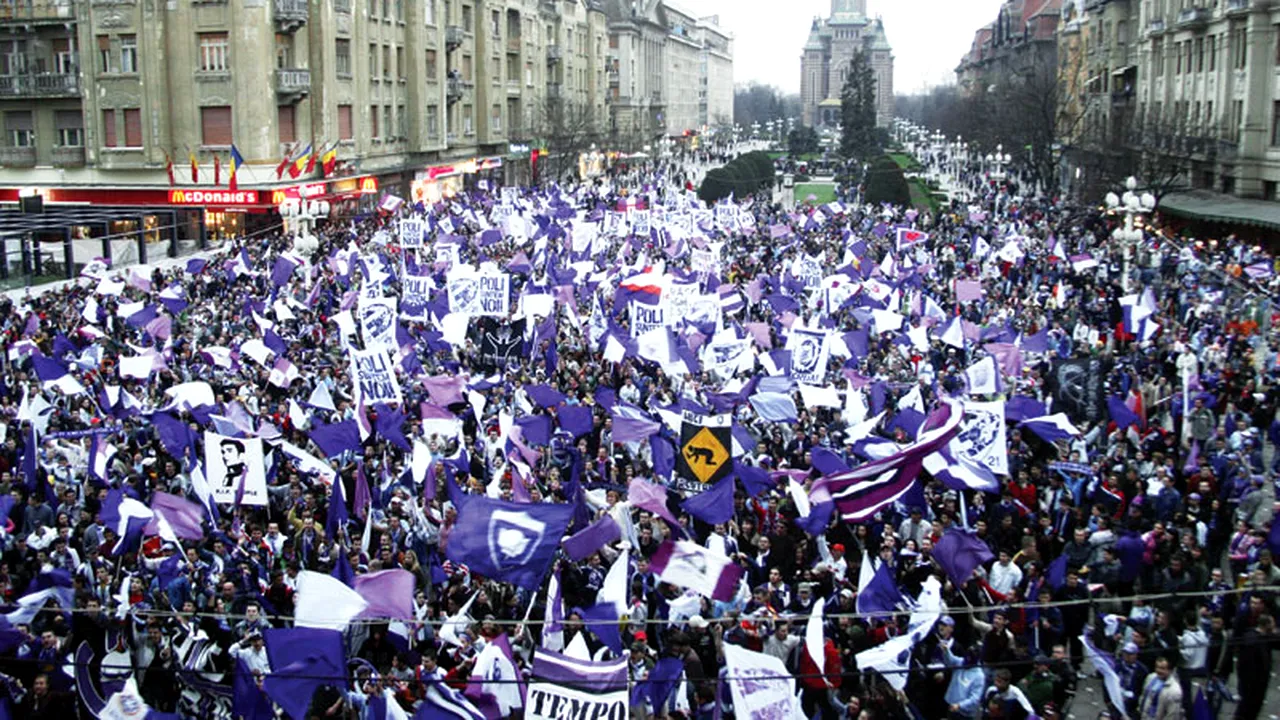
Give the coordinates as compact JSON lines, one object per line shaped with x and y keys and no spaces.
{"x":921,"y":197}
{"x":806,"y":157}
{"x":906,"y":162}
{"x":825,"y":192}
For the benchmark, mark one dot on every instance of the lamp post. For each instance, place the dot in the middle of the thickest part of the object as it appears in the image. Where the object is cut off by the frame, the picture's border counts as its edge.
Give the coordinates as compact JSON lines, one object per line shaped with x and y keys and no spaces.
{"x":300,"y":217}
{"x":999,"y":160}
{"x":1132,"y":205}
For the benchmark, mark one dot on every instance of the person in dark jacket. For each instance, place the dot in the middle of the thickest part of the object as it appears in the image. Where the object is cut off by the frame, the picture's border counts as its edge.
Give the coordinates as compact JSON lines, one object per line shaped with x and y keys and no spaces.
{"x":1254,"y":652}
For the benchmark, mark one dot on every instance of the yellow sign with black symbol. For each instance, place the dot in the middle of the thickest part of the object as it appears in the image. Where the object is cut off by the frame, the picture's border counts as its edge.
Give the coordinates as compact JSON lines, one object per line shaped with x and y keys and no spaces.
{"x":704,"y":453}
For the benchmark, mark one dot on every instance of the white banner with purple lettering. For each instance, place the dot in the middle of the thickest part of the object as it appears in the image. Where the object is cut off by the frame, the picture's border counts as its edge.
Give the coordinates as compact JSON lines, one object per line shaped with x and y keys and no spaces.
{"x":411,"y":232}
{"x":647,"y":317}
{"x":566,"y":687}
{"x":415,"y":293}
{"x":473,"y":293}
{"x":374,"y":377}
{"x":705,"y":262}
{"x":760,"y":685}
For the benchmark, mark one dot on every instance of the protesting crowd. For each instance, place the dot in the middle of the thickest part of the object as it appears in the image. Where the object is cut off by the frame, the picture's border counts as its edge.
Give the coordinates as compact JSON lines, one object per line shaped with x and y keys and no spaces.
{"x":598,"y":450}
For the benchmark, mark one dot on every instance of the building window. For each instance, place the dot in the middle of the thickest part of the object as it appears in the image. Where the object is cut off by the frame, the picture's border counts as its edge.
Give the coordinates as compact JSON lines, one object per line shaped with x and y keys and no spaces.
{"x":344,"y":122}
{"x":373,"y":122}
{"x":1157,"y":58}
{"x":373,"y":60}
{"x":467,"y":19}
{"x":133,"y":128}
{"x":285,"y":124}
{"x":213,"y":53}
{"x":466,"y":68}
{"x":20,"y":128}
{"x":1275,"y":123}
{"x":433,"y":121}
{"x":128,"y":53}
{"x":401,"y":70}
{"x":215,"y":126}
{"x":432,"y":69}
{"x":1237,"y":116}
{"x":495,"y":24}
{"x":429,"y":11}
{"x":64,"y":58}
{"x":1199,"y":55}
{"x":342,"y":57}
{"x":1213,"y":53}
{"x":1240,"y":48}
{"x":495,"y":120}
{"x":70,"y":127}
{"x":468,"y":121}
{"x":109,"y":128}
{"x":106,"y":59}
{"x":386,"y":62}
{"x":399,"y":10}
{"x":284,"y":51}
{"x":386,"y":122}
{"x":402,"y":122}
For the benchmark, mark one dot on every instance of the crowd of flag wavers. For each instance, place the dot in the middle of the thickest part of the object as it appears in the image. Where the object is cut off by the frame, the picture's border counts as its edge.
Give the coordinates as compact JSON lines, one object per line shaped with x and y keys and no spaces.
{"x":593,"y":451}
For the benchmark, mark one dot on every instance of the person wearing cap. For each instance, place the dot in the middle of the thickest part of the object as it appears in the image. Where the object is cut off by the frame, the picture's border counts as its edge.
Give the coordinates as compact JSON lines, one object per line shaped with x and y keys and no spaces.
{"x":1132,"y":673}
{"x":1039,"y":685}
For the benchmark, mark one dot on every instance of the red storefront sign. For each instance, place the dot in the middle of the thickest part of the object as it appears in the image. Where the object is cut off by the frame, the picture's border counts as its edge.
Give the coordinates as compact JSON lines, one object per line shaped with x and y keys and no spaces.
{"x":213,"y":197}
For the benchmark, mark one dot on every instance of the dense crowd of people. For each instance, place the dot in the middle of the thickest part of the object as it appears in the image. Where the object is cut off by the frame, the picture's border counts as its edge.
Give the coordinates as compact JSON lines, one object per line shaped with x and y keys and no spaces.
{"x":1137,"y":544}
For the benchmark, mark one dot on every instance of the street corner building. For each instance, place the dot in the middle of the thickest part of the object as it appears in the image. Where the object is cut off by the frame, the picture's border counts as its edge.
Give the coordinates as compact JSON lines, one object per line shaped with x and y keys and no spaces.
{"x":824,"y":63}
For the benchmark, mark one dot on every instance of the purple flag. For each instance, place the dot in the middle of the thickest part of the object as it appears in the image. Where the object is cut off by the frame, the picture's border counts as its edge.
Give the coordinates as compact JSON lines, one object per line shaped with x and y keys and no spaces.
{"x":575,"y":420}
{"x":390,"y":425}
{"x":508,"y":542}
{"x":535,"y":429}
{"x":302,"y":660}
{"x":959,"y":553}
{"x":363,"y":498}
{"x":174,"y":434}
{"x":688,"y":565}
{"x":583,"y":543}
{"x":714,"y":505}
{"x":336,"y":438}
{"x":182,"y":515}
{"x":445,"y":390}
{"x":880,"y":594}
{"x":544,"y":396}
{"x":627,"y":429}
{"x":653,"y":498}
{"x":388,"y":592}
{"x":282,"y":270}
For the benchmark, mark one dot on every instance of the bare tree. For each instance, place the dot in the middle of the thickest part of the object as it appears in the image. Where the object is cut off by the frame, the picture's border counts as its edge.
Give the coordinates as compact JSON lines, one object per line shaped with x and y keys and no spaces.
{"x":569,"y":129}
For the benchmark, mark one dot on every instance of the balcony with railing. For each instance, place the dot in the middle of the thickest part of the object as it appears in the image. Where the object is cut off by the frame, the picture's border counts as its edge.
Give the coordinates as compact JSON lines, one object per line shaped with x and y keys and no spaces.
{"x":290,"y":14}
{"x":1237,"y":6}
{"x":342,"y":6}
{"x":37,"y":12}
{"x":1155,"y":27}
{"x":513,"y":43}
{"x":614,"y":79}
{"x":554,"y":54}
{"x":293,"y":84}
{"x":453,"y":36}
{"x":40,"y":85}
{"x":455,"y":89}
{"x":1193,"y":18}
{"x":555,"y":91}
{"x":513,"y":87}
{"x":18,"y":156}
{"x":68,"y":156}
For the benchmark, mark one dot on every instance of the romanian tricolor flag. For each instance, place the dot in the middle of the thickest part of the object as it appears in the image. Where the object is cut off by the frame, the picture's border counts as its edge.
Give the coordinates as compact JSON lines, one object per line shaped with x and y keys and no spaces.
{"x":236,"y":162}
{"x":300,"y":162}
{"x":329,"y":161}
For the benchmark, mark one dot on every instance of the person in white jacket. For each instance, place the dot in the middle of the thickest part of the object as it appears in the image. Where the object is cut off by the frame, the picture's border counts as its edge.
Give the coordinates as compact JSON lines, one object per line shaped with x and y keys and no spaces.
{"x":1005,"y":575}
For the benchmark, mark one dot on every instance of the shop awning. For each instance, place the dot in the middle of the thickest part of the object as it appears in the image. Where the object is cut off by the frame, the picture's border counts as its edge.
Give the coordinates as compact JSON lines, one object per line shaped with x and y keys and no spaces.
{"x":1216,"y":207}
{"x":1123,"y":70}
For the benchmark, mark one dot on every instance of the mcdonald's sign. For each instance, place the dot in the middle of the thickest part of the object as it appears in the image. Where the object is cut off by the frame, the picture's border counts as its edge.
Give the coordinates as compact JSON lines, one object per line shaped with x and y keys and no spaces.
{"x":213,"y":197}
{"x":369,"y":186}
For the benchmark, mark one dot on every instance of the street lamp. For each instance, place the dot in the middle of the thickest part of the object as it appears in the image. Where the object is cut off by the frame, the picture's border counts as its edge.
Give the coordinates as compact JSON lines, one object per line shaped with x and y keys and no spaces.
{"x":1131,"y":204}
{"x":999,"y":160}
{"x":300,"y":216}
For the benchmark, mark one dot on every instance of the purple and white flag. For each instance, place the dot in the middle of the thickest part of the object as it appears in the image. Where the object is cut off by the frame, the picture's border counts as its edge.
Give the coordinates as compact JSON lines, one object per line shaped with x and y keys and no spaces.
{"x":864,"y":490}
{"x":593,"y":689}
{"x":689,"y":565}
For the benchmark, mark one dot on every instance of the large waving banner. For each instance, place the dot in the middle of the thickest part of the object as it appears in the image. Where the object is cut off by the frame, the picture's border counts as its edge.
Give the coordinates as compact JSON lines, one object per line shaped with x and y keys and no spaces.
{"x":415,"y":295}
{"x":645,"y":317}
{"x":564,"y":687}
{"x":1079,"y":388}
{"x":378,"y":323}
{"x":760,"y":685}
{"x":411,"y":229}
{"x":474,"y":293}
{"x":374,"y":377}
{"x":808,"y":356}
{"x":235,"y":469}
{"x":706,"y":451}
{"x":982,"y":436}
{"x":499,"y":343}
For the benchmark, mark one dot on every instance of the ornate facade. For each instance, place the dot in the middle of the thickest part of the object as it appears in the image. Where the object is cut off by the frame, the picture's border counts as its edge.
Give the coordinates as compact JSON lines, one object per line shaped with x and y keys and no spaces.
{"x":833,"y":42}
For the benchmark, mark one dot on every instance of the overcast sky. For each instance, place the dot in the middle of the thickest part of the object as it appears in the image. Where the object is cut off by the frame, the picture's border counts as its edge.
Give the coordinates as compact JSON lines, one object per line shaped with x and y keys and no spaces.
{"x":928,"y":36}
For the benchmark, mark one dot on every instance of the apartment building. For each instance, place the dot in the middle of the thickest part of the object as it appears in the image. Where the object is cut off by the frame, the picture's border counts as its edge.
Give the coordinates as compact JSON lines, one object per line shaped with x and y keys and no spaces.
{"x":1206,"y":92}
{"x":138,"y":103}
{"x":1023,"y":36}
{"x":670,"y":72}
